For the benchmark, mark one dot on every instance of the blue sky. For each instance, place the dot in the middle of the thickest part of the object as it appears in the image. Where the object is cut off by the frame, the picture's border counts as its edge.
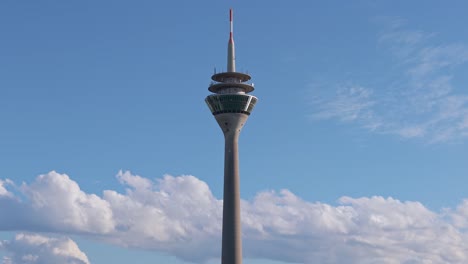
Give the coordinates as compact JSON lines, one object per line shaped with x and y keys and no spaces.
{"x":358,"y":142}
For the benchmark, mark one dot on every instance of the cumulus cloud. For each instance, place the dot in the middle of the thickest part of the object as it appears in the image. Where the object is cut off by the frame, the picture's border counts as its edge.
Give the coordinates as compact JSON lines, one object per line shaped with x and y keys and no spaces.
{"x":364,"y":230}
{"x":55,"y":203}
{"x":39,"y":249}
{"x":3,"y":190}
{"x":180,"y":216}
{"x":460,"y":215}
{"x":422,"y":100}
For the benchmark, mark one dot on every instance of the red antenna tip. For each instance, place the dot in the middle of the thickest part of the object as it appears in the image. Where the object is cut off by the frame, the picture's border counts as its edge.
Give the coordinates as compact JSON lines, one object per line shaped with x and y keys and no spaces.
{"x":230,"y":22}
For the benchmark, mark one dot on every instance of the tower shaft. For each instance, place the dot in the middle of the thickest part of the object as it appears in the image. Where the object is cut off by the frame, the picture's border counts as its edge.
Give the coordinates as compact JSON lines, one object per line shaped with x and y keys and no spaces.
{"x":231,"y":241}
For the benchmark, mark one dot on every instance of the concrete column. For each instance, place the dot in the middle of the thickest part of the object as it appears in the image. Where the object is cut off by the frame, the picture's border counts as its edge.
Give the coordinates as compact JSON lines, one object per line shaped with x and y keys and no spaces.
{"x":231,"y":124}
{"x":232,"y":242}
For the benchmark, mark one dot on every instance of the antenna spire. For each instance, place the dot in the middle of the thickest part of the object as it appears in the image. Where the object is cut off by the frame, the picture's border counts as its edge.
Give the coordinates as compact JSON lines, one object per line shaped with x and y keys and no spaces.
{"x":230,"y":23}
{"x":231,"y":63}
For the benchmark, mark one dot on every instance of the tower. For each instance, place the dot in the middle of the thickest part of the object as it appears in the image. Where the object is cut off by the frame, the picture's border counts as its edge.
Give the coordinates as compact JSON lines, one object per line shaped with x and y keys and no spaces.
{"x":231,"y":105}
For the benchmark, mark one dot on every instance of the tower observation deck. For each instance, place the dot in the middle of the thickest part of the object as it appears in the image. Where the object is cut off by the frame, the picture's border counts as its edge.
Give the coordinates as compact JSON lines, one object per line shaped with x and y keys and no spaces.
{"x":230,"y":88}
{"x":231,"y":105}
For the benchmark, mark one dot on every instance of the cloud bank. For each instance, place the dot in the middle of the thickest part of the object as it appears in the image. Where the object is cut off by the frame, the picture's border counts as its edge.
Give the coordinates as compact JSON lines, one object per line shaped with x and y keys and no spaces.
{"x":39,"y":249}
{"x":420,"y":98}
{"x":180,"y":216}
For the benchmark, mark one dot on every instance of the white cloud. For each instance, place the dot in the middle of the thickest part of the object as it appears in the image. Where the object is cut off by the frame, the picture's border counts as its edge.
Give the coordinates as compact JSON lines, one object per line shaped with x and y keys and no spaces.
{"x":349,"y":104}
{"x":431,"y":59}
{"x":3,"y":190}
{"x":67,"y":206}
{"x":460,"y":215}
{"x":55,"y":203}
{"x":421,"y":101}
{"x":180,"y":216}
{"x":410,"y":132}
{"x":39,"y":249}
{"x":365,"y":230}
